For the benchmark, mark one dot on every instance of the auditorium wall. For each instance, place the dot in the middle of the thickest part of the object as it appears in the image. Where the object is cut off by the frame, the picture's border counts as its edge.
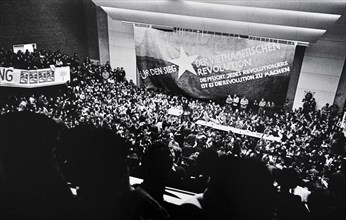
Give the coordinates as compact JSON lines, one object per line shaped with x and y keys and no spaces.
{"x":91,"y":31}
{"x":68,"y":25}
{"x":122,"y":47}
{"x":322,"y":67}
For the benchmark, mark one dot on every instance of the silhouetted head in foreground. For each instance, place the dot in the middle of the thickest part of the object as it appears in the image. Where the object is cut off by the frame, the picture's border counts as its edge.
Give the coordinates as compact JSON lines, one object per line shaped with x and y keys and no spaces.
{"x":288,"y":179}
{"x":31,"y":184}
{"x":239,"y":189}
{"x":104,"y":181}
{"x":156,"y":165}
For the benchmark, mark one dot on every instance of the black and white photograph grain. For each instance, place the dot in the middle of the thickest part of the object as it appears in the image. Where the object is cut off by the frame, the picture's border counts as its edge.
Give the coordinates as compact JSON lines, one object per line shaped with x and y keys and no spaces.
{"x":172,"y":109}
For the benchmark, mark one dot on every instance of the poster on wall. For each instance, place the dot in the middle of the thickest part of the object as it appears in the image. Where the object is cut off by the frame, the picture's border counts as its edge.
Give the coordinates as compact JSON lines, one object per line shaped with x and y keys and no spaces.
{"x":24,"y":47}
{"x":213,"y":66}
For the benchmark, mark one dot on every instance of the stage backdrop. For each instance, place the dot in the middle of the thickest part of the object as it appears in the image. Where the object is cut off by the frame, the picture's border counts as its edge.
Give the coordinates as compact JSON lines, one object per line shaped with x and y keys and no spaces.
{"x":213,"y":66}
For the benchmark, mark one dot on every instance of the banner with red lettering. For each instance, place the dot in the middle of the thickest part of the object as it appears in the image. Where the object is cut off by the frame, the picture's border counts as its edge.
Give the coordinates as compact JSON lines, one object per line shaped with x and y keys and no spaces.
{"x":11,"y":77}
{"x":213,"y":66}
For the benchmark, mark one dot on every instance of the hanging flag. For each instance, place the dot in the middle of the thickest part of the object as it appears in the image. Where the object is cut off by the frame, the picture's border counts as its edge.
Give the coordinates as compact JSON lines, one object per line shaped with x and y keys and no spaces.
{"x":213,"y":67}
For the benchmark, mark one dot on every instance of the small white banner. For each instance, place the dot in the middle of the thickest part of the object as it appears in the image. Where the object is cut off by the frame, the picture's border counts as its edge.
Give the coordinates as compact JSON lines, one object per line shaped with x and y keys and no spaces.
{"x":11,"y":77}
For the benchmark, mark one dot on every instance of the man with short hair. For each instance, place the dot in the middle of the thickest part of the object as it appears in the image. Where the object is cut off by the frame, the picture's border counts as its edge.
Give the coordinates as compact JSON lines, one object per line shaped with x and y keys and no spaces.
{"x":235,"y":102}
{"x":229,"y":100}
{"x":122,"y":74}
{"x":325,"y":109}
{"x":261,"y":106}
{"x":244,"y":102}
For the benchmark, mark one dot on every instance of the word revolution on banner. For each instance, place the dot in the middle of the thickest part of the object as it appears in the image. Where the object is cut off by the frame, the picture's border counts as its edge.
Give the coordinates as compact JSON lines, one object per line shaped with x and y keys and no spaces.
{"x":213,"y":67}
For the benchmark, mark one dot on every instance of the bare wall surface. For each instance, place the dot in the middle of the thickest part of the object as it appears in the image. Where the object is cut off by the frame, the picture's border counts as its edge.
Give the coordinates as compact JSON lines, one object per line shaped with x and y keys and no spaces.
{"x":322,"y":68}
{"x":91,"y":33}
{"x":122,"y":47}
{"x":51,"y":24}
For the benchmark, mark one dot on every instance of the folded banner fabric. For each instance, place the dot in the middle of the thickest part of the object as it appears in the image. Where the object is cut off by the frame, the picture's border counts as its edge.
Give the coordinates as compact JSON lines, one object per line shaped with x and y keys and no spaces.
{"x":213,"y":66}
{"x":10,"y":77}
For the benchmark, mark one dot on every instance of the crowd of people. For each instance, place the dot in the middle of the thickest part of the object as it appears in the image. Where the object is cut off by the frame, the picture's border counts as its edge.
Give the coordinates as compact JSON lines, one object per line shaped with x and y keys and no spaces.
{"x":98,"y":105}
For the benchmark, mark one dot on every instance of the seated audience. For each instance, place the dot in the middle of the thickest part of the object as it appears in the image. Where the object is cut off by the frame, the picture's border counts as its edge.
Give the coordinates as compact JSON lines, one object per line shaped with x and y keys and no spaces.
{"x":311,"y":142}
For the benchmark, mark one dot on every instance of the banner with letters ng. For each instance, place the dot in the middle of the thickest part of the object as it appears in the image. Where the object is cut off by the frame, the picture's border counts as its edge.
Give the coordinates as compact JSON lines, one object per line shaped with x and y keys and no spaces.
{"x":213,"y":66}
{"x":11,"y":77}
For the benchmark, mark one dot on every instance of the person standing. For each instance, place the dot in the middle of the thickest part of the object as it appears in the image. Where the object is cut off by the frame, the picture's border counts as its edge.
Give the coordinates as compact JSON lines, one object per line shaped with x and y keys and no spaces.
{"x":270,"y":109}
{"x":235,"y":103}
{"x":122,"y":74}
{"x":244,"y":102}
{"x":255,"y":106}
{"x":117,"y":74}
{"x":286,"y":107}
{"x":229,"y":101}
{"x":261,"y":107}
{"x":108,"y":67}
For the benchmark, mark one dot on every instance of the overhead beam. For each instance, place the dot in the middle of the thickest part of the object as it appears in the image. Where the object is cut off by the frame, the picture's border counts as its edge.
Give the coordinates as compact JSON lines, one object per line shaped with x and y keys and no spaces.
{"x":230,"y":12}
{"x":319,"y":6}
{"x":216,"y":25}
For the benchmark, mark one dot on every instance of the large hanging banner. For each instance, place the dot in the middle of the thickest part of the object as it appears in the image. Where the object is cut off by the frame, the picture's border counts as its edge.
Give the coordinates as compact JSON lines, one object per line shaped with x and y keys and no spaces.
{"x":10,"y":77}
{"x":213,"y":66}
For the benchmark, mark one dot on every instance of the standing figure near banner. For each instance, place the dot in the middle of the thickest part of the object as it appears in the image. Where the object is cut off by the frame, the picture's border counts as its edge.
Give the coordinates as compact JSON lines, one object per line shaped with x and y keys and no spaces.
{"x":244,"y":102}
{"x":309,"y":103}
{"x":117,"y":74}
{"x":325,"y":109}
{"x":270,"y":109}
{"x":186,"y":111}
{"x":313,"y":104}
{"x":122,"y":74}
{"x":108,"y":67}
{"x":235,"y":103}
{"x":286,"y":107}
{"x":261,"y":107}
{"x":229,"y":101}
{"x":254,"y":106}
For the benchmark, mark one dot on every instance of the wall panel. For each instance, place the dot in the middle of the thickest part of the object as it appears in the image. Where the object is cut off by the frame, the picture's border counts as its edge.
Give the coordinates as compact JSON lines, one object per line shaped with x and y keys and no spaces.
{"x":122,"y":47}
{"x":52,"y":25}
{"x":322,"y":68}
